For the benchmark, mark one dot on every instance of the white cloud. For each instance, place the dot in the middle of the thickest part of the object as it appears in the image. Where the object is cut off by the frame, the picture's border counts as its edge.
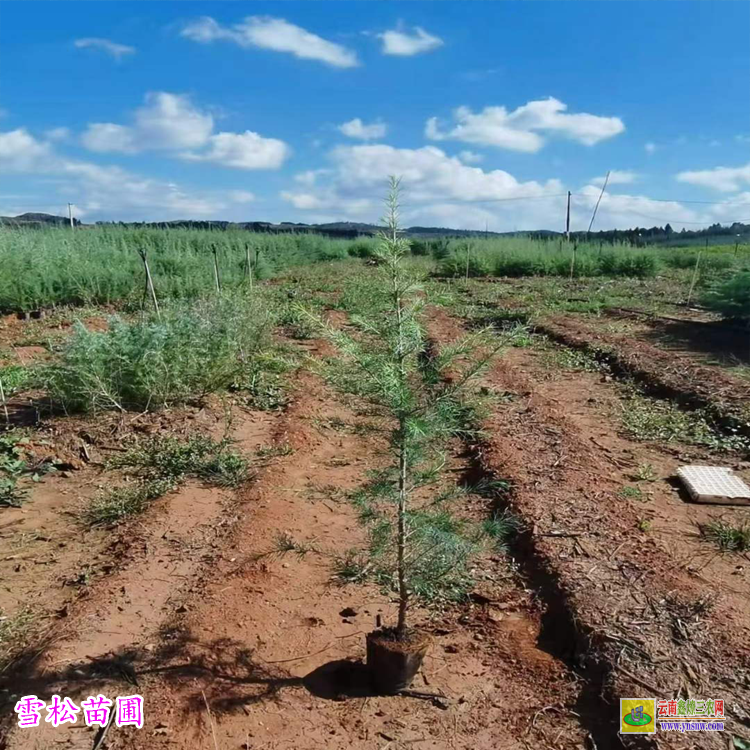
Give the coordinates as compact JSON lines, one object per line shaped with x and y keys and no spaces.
{"x":436,"y":187}
{"x":107,"y":192}
{"x":21,"y":152}
{"x":470,"y":157}
{"x":725,"y":179}
{"x":650,"y":147}
{"x":616,"y":177}
{"x":246,"y":150}
{"x":440,"y":190}
{"x":619,"y":211}
{"x":357,"y":129}
{"x":520,"y":129}
{"x":170,"y":122}
{"x":103,"y":137}
{"x":403,"y":44}
{"x":241,"y":196}
{"x":165,"y":121}
{"x":118,"y":51}
{"x":275,"y":34}
{"x":57,"y":134}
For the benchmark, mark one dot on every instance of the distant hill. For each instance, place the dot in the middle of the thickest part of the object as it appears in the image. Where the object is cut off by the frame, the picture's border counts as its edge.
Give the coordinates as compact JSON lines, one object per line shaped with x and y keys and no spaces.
{"x":37,"y":219}
{"x":715,"y":234}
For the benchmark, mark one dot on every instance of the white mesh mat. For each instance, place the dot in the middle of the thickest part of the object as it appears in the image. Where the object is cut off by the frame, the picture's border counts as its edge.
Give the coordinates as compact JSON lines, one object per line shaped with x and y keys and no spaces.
{"x":714,"y":484}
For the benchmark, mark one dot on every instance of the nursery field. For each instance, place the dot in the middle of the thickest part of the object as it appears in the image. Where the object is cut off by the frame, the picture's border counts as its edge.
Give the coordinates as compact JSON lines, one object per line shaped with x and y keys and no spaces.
{"x":215,"y":484}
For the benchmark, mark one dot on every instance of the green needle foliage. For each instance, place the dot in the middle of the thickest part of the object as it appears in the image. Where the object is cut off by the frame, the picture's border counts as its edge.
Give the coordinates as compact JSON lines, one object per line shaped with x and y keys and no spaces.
{"x":183,"y":355}
{"x":731,"y":298}
{"x":417,"y":546}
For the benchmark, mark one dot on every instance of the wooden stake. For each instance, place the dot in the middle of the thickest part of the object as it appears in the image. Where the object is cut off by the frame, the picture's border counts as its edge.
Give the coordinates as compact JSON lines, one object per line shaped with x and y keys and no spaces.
{"x":70,"y":215}
{"x":150,"y":283}
{"x":695,"y":277}
{"x":573,"y":260}
{"x":5,"y":405}
{"x":216,"y":270}
{"x":468,"y":257}
{"x":567,"y":220}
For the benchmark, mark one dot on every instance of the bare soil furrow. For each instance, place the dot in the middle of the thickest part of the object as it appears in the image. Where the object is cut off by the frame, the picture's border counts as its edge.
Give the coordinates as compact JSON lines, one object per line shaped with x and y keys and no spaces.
{"x":629,"y":615}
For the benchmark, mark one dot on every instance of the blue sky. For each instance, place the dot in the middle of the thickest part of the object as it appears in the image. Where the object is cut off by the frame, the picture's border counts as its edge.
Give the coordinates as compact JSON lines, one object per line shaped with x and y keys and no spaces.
{"x":298,"y":111}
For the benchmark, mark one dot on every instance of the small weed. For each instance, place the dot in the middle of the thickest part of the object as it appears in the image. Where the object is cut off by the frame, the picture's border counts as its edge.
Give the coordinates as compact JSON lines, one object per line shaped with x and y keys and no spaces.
{"x":14,"y":634}
{"x":727,"y":537}
{"x":273,"y":451}
{"x":645,"y":473}
{"x":324,"y":491}
{"x":644,"y":525}
{"x":113,"y":506}
{"x":14,"y":468}
{"x":159,"y":465}
{"x":284,"y":543}
{"x":630,"y":493}
{"x":575,"y":360}
{"x":351,"y":567}
{"x":664,"y":421}
{"x":171,"y":458}
{"x":15,"y":378}
{"x":502,"y":528}
{"x":333,"y":423}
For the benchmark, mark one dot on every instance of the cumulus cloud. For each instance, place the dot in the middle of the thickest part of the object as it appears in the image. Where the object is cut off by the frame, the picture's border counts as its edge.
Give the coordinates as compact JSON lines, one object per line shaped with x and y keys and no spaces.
{"x":433,"y":183}
{"x":618,"y":211}
{"x":171,"y":122}
{"x":107,"y":136}
{"x":246,"y":150}
{"x":21,"y":152}
{"x":404,"y":44}
{"x":357,"y":129}
{"x":165,"y":121}
{"x":724,"y":179}
{"x":523,"y":129}
{"x":616,"y":177}
{"x":445,"y":191}
{"x":57,"y":134}
{"x":107,"y":192}
{"x":113,"y":49}
{"x":276,"y":34}
{"x":470,"y":157}
{"x":241,"y":196}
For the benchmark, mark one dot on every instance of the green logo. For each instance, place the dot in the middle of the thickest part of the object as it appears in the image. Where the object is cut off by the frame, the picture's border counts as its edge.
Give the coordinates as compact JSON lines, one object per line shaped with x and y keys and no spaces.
{"x":637,"y":718}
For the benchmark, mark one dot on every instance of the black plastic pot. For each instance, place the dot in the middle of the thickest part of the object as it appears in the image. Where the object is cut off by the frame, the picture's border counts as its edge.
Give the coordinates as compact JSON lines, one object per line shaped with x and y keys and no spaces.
{"x":394,"y":662}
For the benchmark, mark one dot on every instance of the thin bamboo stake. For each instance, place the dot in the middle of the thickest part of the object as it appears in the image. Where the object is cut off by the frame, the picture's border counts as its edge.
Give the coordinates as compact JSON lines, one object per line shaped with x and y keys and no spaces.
{"x":573,"y":260}
{"x":695,"y":278}
{"x":596,"y":207}
{"x":150,"y":283}
{"x":5,"y":405}
{"x":217,"y":279}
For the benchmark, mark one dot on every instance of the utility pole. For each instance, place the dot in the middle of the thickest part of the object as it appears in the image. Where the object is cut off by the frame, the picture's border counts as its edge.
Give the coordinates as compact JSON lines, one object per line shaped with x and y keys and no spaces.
{"x":70,"y":215}
{"x":567,"y":220}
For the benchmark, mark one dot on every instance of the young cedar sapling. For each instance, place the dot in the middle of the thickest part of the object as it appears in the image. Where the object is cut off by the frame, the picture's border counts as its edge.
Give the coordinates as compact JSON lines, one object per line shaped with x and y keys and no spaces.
{"x":417,"y":547}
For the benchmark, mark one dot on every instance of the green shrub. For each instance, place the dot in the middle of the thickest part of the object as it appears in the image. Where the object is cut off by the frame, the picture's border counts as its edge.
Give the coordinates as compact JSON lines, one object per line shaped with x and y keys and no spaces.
{"x":150,"y":364}
{"x":363,"y":248}
{"x":456,"y":265}
{"x":631,"y":265}
{"x":731,"y":298}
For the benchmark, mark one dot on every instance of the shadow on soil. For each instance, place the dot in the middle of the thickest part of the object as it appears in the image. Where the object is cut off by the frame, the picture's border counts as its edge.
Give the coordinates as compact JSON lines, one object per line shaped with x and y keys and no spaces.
{"x":225,"y":671}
